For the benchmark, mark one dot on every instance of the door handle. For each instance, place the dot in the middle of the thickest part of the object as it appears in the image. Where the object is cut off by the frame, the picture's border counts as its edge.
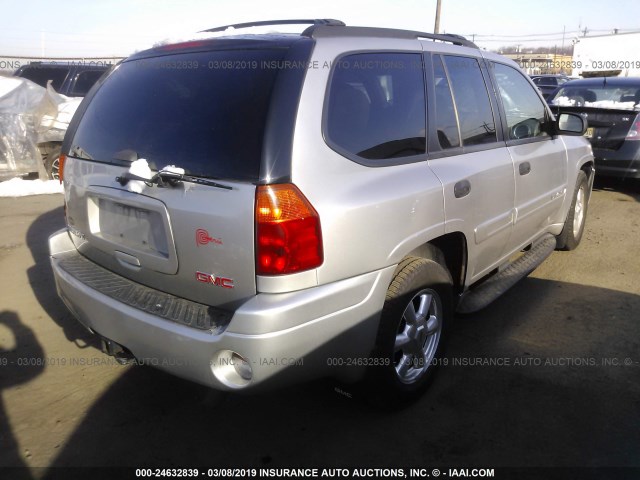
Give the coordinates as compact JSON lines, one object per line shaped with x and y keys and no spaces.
{"x":524,"y":168}
{"x":462,"y":188}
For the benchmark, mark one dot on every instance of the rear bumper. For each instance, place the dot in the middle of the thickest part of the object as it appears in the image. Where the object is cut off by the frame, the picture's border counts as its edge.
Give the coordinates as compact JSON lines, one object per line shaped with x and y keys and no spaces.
{"x":623,"y":163}
{"x":283,"y":337}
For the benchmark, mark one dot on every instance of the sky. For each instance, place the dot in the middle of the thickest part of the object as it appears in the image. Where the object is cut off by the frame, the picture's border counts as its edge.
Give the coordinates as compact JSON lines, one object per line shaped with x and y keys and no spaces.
{"x":120,"y":27}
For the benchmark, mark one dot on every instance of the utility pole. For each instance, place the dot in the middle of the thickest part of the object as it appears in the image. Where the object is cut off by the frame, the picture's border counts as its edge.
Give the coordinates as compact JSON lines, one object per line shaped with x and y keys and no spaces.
{"x":436,"y":28}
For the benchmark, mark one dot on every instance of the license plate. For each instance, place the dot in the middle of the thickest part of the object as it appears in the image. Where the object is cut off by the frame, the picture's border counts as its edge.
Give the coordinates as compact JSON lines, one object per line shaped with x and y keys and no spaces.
{"x":589,"y":132}
{"x":136,"y":228}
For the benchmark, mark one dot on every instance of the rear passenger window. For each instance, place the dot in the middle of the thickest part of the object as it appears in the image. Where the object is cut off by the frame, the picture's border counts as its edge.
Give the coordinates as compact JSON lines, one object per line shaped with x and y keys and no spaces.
{"x":523,"y":108}
{"x":376,"y":106}
{"x":473,"y":106}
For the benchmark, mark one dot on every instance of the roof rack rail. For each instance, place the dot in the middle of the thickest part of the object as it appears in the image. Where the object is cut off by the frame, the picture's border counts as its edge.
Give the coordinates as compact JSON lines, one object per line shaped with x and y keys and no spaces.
{"x":315,"y":22}
{"x":318,"y":31}
{"x":323,"y":27}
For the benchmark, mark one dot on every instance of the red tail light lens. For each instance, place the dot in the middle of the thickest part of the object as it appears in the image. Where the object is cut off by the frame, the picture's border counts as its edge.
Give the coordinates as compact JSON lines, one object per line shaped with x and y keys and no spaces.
{"x":61,"y":161}
{"x":288,"y":234}
{"x":634,"y":131}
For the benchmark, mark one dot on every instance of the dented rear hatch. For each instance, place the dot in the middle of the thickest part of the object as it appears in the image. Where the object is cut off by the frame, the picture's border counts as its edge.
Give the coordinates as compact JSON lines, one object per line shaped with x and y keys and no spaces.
{"x":162,"y":166}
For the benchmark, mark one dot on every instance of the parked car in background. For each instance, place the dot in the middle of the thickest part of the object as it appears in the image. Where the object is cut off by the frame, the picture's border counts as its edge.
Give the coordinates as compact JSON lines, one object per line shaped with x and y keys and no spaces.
{"x":68,"y":80}
{"x":612,"y":108}
{"x":72,"y":80}
{"x":547,"y":84}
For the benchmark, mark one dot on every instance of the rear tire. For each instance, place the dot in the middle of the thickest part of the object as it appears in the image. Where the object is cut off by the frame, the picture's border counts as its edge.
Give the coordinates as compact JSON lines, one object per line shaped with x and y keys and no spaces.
{"x":412,"y":333}
{"x":52,"y":163}
{"x":573,"y":229}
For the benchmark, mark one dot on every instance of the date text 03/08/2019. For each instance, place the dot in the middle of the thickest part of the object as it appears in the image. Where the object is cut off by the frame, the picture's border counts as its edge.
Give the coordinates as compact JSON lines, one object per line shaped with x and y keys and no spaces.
{"x":316,"y":472}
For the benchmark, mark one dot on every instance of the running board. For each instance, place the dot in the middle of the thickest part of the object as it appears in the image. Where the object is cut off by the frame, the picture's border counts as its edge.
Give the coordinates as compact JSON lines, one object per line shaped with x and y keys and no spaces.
{"x":485,"y":293}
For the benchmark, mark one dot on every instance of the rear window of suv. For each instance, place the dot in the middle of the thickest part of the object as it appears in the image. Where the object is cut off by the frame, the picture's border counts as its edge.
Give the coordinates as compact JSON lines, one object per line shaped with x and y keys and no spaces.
{"x":204,"y":112}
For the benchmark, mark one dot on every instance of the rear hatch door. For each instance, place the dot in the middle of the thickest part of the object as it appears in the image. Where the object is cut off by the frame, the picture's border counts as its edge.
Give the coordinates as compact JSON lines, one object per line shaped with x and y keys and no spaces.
{"x":203,"y":113}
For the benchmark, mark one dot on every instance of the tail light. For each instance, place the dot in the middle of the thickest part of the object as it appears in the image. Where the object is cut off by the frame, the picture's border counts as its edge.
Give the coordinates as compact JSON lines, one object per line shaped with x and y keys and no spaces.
{"x":288,"y":234}
{"x":634,"y":131}
{"x":61,"y":162}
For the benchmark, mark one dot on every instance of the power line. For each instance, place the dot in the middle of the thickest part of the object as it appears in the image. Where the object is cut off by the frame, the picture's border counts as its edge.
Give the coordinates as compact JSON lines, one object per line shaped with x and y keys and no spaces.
{"x":569,"y":32}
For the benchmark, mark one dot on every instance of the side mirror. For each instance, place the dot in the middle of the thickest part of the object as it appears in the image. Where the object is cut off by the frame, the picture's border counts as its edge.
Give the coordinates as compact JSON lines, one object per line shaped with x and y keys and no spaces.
{"x":571,"y":124}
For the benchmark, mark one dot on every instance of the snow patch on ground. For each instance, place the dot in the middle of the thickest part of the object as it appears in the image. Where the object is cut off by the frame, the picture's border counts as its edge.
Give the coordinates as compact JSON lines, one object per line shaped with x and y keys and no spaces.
{"x":17,"y":187}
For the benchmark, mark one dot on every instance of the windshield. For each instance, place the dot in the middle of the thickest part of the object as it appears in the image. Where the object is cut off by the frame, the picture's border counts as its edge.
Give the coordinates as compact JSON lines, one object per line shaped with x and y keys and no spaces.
{"x":599,"y":96}
{"x":204,"y":112}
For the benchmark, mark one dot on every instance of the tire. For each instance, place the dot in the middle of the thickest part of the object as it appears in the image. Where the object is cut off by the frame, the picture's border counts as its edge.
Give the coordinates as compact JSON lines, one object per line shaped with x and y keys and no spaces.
{"x":412,"y":333}
{"x":571,"y":234}
{"x":51,"y":163}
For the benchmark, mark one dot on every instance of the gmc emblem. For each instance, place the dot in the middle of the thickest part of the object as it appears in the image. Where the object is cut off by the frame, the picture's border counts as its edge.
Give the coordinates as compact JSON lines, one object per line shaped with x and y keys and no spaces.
{"x":214,"y":280}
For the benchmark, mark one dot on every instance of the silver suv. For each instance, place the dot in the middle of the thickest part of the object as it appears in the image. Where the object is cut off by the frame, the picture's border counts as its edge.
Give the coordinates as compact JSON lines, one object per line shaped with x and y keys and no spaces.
{"x":249,"y":210}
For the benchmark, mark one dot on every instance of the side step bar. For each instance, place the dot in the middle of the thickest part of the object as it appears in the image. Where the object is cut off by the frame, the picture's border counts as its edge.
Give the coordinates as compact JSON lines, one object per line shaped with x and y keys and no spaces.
{"x":481,"y":296}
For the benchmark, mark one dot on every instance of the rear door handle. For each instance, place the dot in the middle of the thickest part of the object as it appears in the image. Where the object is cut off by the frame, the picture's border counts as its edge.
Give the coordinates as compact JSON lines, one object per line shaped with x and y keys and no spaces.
{"x":524,"y":168}
{"x":462,"y":188}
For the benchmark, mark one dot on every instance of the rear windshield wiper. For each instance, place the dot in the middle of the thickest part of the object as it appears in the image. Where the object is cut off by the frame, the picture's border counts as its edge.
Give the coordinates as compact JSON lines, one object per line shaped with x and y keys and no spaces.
{"x":170,"y":178}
